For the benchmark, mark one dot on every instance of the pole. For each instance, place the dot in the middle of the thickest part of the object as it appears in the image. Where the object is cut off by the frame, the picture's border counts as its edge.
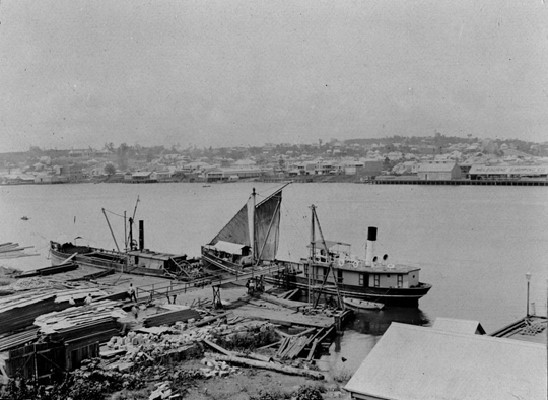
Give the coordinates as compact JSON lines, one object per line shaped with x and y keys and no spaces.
{"x":125,"y":229}
{"x":528,"y":283}
{"x":528,"y":277}
{"x":312,"y":251}
{"x":252,"y":234}
{"x":110,"y":227}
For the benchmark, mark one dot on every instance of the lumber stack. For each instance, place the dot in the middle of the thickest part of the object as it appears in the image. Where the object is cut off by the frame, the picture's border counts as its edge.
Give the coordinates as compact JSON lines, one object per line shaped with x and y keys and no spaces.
{"x":291,"y":346}
{"x":15,"y":340}
{"x":96,"y":322}
{"x":170,"y":317}
{"x":13,"y":250}
{"x":18,"y":311}
{"x":50,"y":270}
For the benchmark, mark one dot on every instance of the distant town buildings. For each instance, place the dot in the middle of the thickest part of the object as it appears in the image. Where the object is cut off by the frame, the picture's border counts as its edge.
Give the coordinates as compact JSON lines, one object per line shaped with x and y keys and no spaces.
{"x":436,"y":158}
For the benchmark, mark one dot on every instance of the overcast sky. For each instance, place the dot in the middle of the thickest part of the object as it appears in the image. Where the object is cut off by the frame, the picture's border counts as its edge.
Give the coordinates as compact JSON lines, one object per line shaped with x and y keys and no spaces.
{"x":78,"y":73}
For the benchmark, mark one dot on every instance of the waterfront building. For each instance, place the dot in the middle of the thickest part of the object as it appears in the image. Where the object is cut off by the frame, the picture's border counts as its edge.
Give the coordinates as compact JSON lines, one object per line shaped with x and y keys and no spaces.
{"x":482,"y":171}
{"x":439,"y":171}
{"x":234,"y":174}
{"x":413,"y":362}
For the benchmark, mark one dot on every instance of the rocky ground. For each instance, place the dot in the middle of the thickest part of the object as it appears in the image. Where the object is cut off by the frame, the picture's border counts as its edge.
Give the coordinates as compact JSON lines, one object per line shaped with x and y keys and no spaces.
{"x":243,"y":385}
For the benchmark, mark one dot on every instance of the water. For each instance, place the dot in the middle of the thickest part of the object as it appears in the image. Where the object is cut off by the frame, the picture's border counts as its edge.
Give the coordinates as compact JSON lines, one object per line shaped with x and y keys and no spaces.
{"x":474,"y":244}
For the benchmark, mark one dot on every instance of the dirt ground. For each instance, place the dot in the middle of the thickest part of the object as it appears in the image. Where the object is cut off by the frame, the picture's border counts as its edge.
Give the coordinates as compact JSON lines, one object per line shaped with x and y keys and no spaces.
{"x":244,"y":384}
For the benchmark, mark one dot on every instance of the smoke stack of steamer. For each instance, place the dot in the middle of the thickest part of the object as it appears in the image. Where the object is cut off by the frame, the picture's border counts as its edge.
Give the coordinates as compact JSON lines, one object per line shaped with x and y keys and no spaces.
{"x":370,"y":244}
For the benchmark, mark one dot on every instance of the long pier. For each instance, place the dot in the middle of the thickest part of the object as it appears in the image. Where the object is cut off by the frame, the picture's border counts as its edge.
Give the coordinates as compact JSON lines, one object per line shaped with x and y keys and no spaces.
{"x":460,"y":182}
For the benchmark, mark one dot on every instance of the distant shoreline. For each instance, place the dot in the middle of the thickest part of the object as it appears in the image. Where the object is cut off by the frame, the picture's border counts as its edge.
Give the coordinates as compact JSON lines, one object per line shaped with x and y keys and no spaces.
{"x":332,"y":179}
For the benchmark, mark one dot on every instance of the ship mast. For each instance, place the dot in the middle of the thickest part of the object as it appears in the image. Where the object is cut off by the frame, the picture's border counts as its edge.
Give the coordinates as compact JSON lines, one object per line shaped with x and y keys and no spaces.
{"x":340,"y":303}
{"x":312,"y":253}
{"x":252,"y":230}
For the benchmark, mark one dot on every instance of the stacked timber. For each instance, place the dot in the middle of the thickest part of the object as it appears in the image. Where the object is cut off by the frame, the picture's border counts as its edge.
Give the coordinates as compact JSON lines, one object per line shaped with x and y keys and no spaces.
{"x":50,"y":270}
{"x":93,"y":323}
{"x":18,"y":311}
{"x":15,"y":340}
{"x":171,"y":317}
{"x":13,"y":250}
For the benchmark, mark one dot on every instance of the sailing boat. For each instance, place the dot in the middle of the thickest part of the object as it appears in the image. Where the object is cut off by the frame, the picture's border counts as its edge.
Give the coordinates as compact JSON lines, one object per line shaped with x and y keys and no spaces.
{"x":250,"y":239}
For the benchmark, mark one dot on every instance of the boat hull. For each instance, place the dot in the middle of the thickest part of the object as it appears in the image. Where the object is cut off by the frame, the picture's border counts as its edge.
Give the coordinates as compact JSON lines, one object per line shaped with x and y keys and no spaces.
{"x":400,"y":297}
{"x":358,"y":305}
{"x":107,"y":260}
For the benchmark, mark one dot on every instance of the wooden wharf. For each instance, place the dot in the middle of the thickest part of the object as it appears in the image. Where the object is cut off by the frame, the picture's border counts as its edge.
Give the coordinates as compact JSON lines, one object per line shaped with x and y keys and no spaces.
{"x":173,"y":288}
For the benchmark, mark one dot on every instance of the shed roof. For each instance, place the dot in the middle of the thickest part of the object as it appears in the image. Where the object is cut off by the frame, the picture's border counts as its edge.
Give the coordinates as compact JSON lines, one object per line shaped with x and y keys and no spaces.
{"x":412,"y":363}
{"x":480,"y":169}
{"x":458,"y":326}
{"x":231,"y":248}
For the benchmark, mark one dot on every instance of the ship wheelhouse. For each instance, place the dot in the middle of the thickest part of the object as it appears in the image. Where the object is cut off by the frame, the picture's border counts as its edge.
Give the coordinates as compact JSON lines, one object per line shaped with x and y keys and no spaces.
{"x":352,"y":271}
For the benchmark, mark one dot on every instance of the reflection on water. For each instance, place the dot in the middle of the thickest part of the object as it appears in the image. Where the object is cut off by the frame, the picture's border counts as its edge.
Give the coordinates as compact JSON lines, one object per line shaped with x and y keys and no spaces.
{"x":349,"y":349}
{"x":377,"y":322}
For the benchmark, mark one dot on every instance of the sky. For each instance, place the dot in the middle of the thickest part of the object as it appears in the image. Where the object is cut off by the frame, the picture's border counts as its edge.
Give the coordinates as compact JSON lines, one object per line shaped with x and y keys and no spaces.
{"x":79,"y":73}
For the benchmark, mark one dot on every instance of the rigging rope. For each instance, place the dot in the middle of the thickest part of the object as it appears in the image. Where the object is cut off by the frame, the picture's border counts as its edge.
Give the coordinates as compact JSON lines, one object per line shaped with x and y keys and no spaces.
{"x":112,"y":212}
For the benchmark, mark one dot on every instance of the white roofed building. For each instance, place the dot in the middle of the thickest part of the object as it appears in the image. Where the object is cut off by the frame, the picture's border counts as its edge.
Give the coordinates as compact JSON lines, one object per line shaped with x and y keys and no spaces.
{"x":419,"y":363}
{"x":439,"y":171}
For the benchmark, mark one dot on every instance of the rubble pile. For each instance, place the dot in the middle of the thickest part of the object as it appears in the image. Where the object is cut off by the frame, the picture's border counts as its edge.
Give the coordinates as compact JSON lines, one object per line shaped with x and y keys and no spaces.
{"x":216,"y":368}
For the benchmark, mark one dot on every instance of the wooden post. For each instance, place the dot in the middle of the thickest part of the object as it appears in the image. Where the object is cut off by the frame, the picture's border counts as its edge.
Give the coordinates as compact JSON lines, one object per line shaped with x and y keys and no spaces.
{"x":217,"y":296}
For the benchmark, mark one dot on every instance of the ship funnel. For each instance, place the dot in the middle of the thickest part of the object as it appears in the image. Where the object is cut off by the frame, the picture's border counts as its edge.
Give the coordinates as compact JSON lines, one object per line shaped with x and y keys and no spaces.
{"x":141,"y":234}
{"x":370,"y":244}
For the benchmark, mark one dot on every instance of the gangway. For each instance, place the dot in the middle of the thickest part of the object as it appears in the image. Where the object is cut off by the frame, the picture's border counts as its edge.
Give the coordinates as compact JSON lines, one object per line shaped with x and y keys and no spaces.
{"x":172,"y":288}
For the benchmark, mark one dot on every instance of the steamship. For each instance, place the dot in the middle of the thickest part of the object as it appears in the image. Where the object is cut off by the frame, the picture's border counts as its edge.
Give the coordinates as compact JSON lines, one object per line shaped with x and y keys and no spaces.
{"x":332,"y":270}
{"x":136,"y":259}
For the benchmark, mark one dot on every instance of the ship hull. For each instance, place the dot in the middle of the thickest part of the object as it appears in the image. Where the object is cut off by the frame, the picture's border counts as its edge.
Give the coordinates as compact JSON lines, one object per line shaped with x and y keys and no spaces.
{"x":104,"y":259}
{"x":400,"y":297}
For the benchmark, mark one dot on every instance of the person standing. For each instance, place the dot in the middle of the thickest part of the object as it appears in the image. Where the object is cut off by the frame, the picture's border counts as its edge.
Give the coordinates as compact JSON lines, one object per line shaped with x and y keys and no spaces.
{"x":131,"y":292}
{"x":88,"y":300}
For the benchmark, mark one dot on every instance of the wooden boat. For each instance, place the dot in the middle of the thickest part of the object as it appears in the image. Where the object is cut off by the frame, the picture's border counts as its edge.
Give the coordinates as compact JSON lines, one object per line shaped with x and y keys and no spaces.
{"x":357,"y":304}
{"x":332,"y":269}
{"x":250,"y":239}
{"x":136,"y":259}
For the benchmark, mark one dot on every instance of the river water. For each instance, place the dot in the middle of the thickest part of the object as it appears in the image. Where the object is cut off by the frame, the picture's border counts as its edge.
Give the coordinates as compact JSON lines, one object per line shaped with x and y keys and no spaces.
{"x":474,"y":244}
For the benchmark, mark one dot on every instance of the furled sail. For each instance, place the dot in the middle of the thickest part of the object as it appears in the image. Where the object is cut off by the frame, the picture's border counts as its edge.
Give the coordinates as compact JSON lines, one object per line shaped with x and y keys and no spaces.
{"x":267,"y":227}
{"x":236,"y":230}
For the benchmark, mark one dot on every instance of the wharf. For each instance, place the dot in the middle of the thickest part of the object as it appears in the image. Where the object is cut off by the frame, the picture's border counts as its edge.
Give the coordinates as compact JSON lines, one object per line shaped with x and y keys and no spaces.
{"x":530,"y":329}
{"x":280,"y":316}
{"x":460,"y":182}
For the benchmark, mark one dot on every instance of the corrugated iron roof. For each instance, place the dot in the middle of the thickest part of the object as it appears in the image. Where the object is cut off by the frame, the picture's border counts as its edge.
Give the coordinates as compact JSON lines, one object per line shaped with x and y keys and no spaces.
{"x":418,"y":363}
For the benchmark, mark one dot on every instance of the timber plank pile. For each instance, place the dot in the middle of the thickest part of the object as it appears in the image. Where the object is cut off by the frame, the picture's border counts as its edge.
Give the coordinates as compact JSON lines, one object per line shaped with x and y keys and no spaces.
{"x":15,"y":340}
{"x":13,"y":250}
{"x":171,"y":317}
{"x":50,"y":270}
{"x":74,"y":319}
{"x":20,"y":310}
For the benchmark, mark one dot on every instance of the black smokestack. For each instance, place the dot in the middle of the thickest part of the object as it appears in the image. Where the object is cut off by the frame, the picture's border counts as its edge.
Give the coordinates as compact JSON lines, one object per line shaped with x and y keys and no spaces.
{"x":370,"y":244}
{"x":372,"y":233}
